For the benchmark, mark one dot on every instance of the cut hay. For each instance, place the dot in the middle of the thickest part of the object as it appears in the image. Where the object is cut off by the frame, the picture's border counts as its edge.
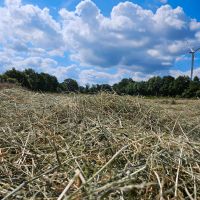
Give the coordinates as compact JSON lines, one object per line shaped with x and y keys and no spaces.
{"x":97,"y":147}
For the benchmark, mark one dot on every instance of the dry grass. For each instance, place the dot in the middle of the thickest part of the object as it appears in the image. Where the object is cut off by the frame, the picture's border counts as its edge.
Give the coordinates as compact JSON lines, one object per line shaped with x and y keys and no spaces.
{"x":119,"y":147}
{"x":7,"y":86}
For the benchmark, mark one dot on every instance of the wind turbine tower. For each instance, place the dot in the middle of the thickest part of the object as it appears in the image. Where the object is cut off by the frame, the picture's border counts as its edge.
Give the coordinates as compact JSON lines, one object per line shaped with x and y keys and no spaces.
{"x":192,"y":52}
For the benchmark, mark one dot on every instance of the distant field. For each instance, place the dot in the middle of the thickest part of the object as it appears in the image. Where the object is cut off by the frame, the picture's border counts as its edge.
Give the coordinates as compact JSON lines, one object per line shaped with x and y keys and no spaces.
{"x":7,"y":86}
{"x":124,"y":147}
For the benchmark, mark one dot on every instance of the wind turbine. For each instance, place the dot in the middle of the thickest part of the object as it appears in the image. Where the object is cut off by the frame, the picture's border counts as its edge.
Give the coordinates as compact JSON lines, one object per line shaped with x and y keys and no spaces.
{"x":192,"y":52}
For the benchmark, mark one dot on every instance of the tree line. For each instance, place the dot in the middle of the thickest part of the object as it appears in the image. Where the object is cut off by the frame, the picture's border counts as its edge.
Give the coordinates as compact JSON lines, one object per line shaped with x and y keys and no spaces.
{"x":166,"y":86}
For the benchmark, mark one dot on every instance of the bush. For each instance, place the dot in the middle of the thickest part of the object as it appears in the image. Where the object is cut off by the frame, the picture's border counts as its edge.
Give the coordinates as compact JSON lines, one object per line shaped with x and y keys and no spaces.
{"x":12,"y":80}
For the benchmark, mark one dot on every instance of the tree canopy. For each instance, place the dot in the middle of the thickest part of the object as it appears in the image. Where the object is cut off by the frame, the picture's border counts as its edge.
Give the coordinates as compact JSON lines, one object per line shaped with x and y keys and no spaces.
{"x":166,"y":86}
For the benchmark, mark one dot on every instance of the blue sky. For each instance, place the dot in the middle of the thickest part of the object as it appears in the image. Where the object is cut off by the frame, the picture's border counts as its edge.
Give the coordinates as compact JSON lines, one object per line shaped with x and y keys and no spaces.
{"x":100,"y":41}
{"x":191,"y":7}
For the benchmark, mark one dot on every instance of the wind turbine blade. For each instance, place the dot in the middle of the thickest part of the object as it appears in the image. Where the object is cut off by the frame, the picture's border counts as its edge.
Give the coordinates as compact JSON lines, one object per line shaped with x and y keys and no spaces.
{"x":182,"y":56}
{"x":189,"y":47}
{"x":192,"y":50}
{"x":197,"y":49}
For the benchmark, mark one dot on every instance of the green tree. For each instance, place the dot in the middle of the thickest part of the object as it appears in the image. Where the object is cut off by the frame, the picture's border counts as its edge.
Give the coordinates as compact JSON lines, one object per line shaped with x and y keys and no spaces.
{"x":131,"y":88}
{"x":18,"y":75}
{"x":153,"y":86}
{"x":166,"y":88}
{"x":192,"y":90}
{"x":41,"y":82}
{"x":181,"y":83}
{"x":87,"y":88}
{"x":121,"y":87}
{"x":142,"y":88}
{"x":70,"y":85}
{"x":81,"y":89}
{"x":32,"y":79}
{"x":48,"y":82}
{"x":3,"y":78}
{"x":104,"y":87}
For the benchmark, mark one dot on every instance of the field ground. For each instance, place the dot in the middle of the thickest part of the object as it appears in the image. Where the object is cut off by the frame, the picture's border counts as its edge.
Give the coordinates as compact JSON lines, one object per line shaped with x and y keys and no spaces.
{"x":7,"y":85}
{"x":124,"y":147}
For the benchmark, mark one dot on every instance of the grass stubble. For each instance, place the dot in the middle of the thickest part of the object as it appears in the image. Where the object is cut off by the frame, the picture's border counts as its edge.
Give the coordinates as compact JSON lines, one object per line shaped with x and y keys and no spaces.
{"x":101,"y":146}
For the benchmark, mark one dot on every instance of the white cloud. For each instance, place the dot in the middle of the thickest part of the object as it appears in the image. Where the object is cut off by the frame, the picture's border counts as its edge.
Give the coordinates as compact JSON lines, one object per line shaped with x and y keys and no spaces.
{"x":194,"y":25}
{"x":29,"y":37}
{"x":93,"y":76}
{"x":131,"y":37}
{"x":61,"y":72}
{"x":12,"y":3}
{"x":23,"y":26}
{"x":132,"y":40}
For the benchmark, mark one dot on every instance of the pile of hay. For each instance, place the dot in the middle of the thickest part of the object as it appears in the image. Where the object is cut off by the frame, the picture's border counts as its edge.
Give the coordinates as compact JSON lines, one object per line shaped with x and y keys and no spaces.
{"x":119,"y":148}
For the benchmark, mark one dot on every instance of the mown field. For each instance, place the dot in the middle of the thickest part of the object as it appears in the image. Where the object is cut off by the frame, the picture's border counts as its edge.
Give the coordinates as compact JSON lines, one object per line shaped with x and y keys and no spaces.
{"x":104,"y":146}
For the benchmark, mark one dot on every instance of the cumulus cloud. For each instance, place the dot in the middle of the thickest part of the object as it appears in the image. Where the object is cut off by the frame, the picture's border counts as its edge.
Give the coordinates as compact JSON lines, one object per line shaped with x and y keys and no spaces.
{"x":177,"y":73}
{"x":12,"y":3}
{"x":132,"y":40}
{"x":28,"y":24}
{"x":29,"y":37}
{"x":132,"y":36}
{"x":93,"y":76}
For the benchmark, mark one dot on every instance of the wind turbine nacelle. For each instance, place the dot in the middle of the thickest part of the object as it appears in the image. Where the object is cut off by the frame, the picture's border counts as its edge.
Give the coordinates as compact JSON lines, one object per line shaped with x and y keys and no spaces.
{"x":192,"y":51}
